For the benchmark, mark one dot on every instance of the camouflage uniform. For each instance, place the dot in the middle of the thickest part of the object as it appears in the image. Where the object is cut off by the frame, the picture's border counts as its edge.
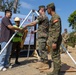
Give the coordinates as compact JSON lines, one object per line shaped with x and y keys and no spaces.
{"x":37,"y":45}
{"x":42,"y":32}
{"x":55,"y":37}
{"x":65,"y":37}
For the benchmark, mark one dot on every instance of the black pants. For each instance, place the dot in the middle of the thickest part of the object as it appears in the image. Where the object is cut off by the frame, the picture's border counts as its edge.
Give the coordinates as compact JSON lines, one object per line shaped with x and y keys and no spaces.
{"x":0,"y":47}
{"x":16,"y":47}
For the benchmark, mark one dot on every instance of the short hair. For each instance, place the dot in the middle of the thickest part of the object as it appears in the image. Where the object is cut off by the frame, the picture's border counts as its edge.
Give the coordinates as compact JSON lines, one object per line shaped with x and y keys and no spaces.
{"x":43,"y":9}
{"x":7,"y":10}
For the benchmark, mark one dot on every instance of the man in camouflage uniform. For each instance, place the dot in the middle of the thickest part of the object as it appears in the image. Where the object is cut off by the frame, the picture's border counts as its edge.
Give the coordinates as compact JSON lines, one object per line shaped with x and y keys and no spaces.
{"x":54,"y":38}
{"x":36,"y":51}
{"x":65,"y":37}
{"x":42,"y":32}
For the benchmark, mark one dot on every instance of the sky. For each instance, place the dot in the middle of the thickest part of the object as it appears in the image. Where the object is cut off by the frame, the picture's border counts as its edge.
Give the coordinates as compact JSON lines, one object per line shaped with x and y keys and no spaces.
{"x":63,"y":8}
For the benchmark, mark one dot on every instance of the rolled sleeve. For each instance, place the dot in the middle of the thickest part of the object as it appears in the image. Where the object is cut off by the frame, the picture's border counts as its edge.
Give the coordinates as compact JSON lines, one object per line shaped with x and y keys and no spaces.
{"x":37,"y":21}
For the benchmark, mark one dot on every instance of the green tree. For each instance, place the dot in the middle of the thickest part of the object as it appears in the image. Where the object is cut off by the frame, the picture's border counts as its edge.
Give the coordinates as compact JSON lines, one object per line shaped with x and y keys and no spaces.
{"x":2,"y":7}
{"x":72,"y":20}
{"x":72,"y":39}
{"x":10,"y":4}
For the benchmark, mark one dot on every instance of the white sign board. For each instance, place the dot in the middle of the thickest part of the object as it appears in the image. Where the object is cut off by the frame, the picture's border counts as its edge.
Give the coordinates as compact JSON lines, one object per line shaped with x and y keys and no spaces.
{"x":22,"y":17}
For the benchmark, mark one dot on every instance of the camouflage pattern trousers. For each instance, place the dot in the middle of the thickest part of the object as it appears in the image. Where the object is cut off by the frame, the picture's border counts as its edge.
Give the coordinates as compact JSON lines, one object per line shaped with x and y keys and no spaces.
{"x":55,"y":55}
{"x":41,"y":47}
{"x":65,"y":45}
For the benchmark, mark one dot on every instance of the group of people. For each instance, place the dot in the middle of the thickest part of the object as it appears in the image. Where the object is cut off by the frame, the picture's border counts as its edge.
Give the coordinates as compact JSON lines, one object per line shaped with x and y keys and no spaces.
{"x":47,"y":30}
{"x":7,"y":30}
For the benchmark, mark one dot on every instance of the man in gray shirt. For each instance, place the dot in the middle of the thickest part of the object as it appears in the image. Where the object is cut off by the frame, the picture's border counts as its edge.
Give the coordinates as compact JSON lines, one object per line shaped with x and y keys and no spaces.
{"x":6,"y":32}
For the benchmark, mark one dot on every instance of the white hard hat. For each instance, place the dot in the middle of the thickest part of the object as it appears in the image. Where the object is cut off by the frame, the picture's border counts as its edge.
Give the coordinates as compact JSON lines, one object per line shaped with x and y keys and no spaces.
{"x":17,"y":19}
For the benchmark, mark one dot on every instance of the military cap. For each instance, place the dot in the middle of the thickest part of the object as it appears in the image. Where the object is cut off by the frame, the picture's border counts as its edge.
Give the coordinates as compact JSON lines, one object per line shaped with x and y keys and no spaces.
{"x":65,"y":29}
{"x":51,"y":5}
{"x":42,"y":6}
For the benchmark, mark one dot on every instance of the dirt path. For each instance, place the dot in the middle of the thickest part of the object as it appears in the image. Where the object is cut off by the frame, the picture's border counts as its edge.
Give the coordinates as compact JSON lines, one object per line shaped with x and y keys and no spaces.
{"x":30,"y":66}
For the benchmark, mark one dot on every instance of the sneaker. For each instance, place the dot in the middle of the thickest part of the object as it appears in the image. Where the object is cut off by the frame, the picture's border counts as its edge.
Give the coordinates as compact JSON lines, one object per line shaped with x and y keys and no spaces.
{"x":8,"y":66}
{"x":1,"y":68}
{"x":4,"y":69}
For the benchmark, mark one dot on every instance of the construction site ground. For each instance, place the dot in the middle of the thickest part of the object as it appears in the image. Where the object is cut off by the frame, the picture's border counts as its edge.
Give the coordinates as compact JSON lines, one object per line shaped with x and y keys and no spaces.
{"x":30,"y":66}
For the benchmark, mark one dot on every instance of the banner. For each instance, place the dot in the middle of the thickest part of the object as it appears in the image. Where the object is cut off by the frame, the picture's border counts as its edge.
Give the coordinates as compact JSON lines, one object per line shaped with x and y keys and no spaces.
{"x":21,"y":20}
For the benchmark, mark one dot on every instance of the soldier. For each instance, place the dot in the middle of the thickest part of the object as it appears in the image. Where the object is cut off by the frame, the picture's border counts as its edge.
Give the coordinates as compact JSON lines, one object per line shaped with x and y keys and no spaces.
{"x":42,"y":32}
{"x":65,"y":37}
{"x":36,"y":53}
{"x":54,"y":38}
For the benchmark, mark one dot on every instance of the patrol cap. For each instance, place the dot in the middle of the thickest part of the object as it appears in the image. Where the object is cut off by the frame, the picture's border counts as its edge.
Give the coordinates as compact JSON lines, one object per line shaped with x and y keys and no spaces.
{"x":42,"y":6}
{"x":17,"y":19}
{"x":51,"y":5}
{"x":65,"y":29}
